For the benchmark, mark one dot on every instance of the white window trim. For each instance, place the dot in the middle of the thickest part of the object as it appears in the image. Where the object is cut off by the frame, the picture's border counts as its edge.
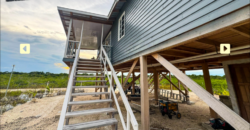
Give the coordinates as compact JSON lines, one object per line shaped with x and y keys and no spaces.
{"x":119,"y":26}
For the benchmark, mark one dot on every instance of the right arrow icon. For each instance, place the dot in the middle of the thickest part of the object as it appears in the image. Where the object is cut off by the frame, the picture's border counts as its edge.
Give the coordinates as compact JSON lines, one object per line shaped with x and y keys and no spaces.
{"x":225,"y":48}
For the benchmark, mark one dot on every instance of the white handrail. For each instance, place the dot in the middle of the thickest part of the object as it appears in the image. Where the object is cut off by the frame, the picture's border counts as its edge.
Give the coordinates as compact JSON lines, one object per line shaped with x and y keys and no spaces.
{"x":69,"y":88}
{"x":130,"y":115}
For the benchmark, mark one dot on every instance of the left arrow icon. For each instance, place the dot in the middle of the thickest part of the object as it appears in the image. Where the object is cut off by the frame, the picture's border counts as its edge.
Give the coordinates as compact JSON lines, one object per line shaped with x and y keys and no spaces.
{"x":24,"y":48}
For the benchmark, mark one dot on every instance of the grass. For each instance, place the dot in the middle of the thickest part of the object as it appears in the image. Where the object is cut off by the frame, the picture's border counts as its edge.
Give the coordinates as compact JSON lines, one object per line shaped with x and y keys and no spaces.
{"x":38,"y":80}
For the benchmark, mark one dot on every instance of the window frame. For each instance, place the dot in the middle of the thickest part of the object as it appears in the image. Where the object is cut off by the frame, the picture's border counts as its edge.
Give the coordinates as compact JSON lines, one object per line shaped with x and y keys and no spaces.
{"x":123,"y":14}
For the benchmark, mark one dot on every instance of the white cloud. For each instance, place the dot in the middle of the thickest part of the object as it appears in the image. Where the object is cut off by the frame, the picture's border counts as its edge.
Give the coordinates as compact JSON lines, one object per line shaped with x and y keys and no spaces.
{"x":37,"y":22}
{"x":41,"y":16}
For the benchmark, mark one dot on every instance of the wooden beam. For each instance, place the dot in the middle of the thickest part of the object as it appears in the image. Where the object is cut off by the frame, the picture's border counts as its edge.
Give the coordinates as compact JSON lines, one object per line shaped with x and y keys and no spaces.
{"x":189,"y":49}
{"x":173,"y":84}
{"x":240,"y":32}
{"x":210,"y":42}
{"x":133,"y":83}
{"x":156,"y":85}
{"x":208,"y":85}
{"x":136,"y":78}
{"x":86,"y":19}
{"x":226,"y":113}
{"x":186,"y":88}
{"x":171,"y":89}
{"x":122,"y":78}
{"x":179,"y":86}
{"x":150,"y":77}
{"x":152,"y":83}
{"x":174,"y":54}
{"x":130,"y":71}
{"x":145,"y":125}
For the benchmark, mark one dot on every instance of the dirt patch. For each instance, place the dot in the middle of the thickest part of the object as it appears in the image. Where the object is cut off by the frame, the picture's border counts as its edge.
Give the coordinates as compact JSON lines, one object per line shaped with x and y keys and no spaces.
{"x":42,"y":115}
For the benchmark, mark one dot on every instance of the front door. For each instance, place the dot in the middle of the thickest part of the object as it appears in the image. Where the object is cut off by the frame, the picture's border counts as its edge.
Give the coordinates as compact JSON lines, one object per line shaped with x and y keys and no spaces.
{"x":241,"y":80}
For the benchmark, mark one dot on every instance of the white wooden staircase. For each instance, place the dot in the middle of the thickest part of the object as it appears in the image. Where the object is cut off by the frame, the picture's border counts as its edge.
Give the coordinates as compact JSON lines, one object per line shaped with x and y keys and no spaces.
{"x":89,"y":66}
{"x":94,"y":66}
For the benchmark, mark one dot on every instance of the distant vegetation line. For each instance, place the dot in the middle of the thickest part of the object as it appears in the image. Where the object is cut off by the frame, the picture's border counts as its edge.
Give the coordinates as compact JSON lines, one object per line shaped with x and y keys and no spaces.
{"x":39,"y":80}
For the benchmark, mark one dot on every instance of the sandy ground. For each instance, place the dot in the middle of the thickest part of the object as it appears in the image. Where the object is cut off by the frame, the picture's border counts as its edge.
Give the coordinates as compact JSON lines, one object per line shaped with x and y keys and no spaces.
{"x":42,"y":115}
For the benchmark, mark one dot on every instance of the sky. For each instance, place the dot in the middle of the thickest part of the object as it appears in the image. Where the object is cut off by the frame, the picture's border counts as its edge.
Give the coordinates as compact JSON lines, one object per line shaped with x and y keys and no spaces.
{"x":37,"y":23}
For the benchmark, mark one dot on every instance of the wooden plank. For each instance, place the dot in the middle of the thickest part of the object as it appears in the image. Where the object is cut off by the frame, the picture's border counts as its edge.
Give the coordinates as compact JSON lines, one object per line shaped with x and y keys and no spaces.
{"x":122,"y":78}
{"x":133,"y":83}
{"x":208,"y":85}
{"x":226,"y":113}
{"x":152,"y":83}
{"x":156,"y":86}
{"x":130,"y":71}
{"x":171,"y":89}
{"x":145,"y":125}
{"x":136,"y":78}
{"x":172,"y":84}
{"x":209,"y":41}
{"x":241,"y":33}
{"x":186,"y":89}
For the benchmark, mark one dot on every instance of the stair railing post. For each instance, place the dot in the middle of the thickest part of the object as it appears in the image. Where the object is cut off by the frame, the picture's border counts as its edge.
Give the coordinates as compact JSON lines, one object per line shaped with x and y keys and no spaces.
{"x":67,"y":42}
{"x":69,"y":87}
{"x":111,"y":84}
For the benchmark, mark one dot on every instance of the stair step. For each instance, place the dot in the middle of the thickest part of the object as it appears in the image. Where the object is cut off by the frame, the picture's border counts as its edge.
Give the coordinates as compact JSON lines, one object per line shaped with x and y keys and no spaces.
{"x":89,"y":65}
{"x":91,"y":124}
{"x":85,"y":76}
{"x":89,"y":86}
{"x":89,"y":102}
{"x":89,"y":62}
{"x":90,"y":81}
{"x":89,"y":68}
{"x":85,"y":94}
{"x":89,"y":112}
{"x":85,"y":71}
{"x":95,"y":60}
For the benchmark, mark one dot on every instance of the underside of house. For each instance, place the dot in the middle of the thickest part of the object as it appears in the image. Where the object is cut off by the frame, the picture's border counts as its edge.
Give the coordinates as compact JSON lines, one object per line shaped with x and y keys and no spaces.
{"x":180,"y":47}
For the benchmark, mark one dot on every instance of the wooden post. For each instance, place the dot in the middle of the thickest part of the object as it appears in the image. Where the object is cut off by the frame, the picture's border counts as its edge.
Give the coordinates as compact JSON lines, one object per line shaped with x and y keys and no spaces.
{"x":129,"y":73}
{"x":179,"y":86}
{"x":171,"y":89}
{"x":122,"y":78}
{"x":133,"y":84}
{"x":144,"y":94}
{"x":208,"y":85}
{"x":156,"y":85}
{"x":186,"y":89}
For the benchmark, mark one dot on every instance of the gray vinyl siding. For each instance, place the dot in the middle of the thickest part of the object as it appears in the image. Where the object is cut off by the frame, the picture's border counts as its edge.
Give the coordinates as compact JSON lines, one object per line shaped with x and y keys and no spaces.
{"x":150,"y":22}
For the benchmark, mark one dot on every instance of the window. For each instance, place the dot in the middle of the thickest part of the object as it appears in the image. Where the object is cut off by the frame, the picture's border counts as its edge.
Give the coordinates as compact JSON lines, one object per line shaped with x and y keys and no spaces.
{"x":121,"y":27}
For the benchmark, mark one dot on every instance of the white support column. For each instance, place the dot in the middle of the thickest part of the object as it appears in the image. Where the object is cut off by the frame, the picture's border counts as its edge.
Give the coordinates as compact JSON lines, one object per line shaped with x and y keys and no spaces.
{"x":145,"y":124}
{"x":68,"y":35}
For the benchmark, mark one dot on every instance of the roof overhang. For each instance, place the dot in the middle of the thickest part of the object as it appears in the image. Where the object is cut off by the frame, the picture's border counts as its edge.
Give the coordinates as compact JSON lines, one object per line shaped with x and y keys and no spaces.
{"x":115,"y":9}
{"x":96,"y":19}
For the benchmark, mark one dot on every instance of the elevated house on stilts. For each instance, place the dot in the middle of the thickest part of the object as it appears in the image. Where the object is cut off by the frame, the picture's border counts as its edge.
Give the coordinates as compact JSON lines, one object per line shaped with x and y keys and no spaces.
{"x":159,"y":37}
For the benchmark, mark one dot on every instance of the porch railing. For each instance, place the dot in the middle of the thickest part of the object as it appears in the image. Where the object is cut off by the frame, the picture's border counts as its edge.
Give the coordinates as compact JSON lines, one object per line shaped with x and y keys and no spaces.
{"x":112,"y":75}
{"x":71,"y":49}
